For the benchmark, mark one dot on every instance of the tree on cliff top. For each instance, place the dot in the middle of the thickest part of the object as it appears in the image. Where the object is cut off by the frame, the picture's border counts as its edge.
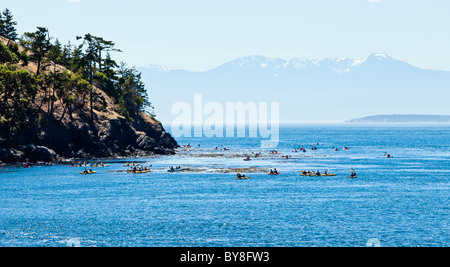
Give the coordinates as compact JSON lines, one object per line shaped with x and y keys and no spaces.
{"x":132,"y":94}
{"x":7,"y":25}
{"x":38,"y":43}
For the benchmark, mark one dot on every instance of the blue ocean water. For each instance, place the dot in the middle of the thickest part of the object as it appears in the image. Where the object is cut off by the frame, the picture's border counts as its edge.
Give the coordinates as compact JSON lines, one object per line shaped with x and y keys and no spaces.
{"x":401,"y":201}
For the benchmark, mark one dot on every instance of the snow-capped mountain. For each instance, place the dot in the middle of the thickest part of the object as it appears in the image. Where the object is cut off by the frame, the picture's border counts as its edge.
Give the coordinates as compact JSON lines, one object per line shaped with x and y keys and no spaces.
{"x":378,"y":71}
{"x":339,"y":65}
{"x":376,"y":84}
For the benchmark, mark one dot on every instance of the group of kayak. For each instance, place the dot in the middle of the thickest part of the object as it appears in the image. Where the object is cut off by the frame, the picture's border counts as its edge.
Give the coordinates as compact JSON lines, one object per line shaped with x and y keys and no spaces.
{"x":304,"y":173}
{"x":90,"y":171}
{"x":84,"y":164}
{"x":302,"y":149}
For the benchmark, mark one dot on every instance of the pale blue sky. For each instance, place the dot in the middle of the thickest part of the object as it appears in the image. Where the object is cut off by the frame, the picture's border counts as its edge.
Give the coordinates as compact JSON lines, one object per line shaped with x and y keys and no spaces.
{"x":201,"y":34}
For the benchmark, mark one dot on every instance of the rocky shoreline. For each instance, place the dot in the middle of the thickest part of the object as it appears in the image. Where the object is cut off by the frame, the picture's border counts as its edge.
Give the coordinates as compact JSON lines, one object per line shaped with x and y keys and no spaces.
{"x":106,"y":138}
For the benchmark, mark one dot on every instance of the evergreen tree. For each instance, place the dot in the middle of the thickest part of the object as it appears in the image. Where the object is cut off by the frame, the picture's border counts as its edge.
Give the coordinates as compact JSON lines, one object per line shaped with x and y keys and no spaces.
{"x":6,"y":56}
{"x":17,"y":90}
{"x":38,"y":43}
{"x":132,"y":94}
{"x":90,"y":56}
{"x":7,"y":25}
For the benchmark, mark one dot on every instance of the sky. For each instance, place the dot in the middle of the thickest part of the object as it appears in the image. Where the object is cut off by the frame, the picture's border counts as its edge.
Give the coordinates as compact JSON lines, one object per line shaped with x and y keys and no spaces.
{"x":202,"y":34}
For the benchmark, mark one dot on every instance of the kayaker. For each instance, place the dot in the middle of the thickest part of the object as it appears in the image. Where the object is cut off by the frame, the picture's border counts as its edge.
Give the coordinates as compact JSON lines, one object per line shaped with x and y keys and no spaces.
{"x":85,"y":171}
{"x":275,"y":171}
{"x":318,"y":173}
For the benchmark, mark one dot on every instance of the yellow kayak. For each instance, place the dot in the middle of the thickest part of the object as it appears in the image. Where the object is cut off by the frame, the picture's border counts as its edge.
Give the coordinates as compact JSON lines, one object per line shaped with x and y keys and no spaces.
{"x":139,"y":172}
{"x":86,"y":173}
{"x":313,"y":174}
{"x":243,"y":178}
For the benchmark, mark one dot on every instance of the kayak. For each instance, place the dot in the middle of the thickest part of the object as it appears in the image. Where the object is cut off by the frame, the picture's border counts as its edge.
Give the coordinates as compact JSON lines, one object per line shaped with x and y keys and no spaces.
{"x":179,"y":170}
{"x":86,"y":173}
{"x":353,"y":177}
{"x":139,"y":172}
{"x":242,"y":178}
{"x":274,"y":173}
{"x":308,"y":174}
{"x":99,"y":166}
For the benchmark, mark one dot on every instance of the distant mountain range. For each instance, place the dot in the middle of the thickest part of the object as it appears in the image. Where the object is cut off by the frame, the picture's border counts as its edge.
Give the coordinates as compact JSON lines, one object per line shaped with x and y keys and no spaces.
{"x":330,"y":89}
{"x":404,"y":118}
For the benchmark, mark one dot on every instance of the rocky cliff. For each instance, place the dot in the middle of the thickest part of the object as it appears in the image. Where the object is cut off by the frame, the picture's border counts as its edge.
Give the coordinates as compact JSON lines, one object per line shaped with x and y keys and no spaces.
{"x":107,"y":137}
{"x":59,"y":135}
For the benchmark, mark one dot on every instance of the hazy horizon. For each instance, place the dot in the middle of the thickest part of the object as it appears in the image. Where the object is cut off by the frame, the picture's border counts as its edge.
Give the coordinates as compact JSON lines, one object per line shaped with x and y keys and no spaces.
{"x":336,"y":57}
{"x":167,"y":124}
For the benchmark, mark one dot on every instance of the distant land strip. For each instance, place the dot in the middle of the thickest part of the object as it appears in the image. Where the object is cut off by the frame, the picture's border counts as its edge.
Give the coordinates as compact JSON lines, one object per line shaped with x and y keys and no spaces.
{"x":402,"y":118}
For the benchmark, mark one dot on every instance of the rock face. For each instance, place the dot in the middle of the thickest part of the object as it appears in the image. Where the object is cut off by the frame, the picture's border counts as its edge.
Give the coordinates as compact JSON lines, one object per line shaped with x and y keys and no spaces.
{"x":109,"y":135}
{"x":104,"y":138}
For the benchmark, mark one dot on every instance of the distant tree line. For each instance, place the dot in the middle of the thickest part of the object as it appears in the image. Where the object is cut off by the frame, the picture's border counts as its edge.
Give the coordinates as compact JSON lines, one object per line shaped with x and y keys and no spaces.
{"x":25,"y":95}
